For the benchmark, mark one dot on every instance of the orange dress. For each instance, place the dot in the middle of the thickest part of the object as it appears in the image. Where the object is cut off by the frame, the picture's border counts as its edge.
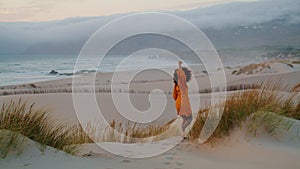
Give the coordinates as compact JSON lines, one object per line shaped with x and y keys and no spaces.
{"x":180,"y":95}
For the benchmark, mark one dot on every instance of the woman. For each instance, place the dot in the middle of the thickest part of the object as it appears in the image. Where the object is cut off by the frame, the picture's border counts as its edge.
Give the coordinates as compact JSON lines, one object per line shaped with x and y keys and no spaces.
{"x":180,"y":94}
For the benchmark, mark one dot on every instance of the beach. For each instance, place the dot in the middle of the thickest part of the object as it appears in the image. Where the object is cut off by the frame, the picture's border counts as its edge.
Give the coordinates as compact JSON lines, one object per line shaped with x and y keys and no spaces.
{"x":237,"y":150}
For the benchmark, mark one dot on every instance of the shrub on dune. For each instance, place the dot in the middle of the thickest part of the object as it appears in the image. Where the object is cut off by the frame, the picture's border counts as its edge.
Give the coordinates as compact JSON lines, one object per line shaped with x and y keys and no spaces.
{"x":19,"y":117}
{"x":134,"y":132}
{"x":259,"y":108}
{"x":24,"y":119}
{"x":262,"y":108}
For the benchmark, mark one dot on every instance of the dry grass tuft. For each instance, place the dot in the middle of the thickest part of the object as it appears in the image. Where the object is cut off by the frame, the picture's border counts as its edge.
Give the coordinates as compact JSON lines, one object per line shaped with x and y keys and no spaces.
{"x":24,"y":119}
{"x":123,"y":132}
{"x":21,"y":118}
{"x":296,"y":88}
{"x":255,"y":106}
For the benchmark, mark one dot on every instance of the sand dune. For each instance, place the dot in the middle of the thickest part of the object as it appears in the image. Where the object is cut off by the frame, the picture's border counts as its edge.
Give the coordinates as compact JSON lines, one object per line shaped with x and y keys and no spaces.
{"x":237,"y":151}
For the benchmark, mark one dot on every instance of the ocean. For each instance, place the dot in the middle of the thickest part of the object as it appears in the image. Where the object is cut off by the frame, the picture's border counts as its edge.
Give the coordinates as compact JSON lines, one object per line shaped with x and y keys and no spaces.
{"x":20,"y":69}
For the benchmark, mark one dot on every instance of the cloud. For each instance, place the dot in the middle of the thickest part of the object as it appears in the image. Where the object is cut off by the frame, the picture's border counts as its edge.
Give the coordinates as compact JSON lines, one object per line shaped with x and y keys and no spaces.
{"x":207,"y":3}
{"x":17,"y":37}
{"x":244,"y":13}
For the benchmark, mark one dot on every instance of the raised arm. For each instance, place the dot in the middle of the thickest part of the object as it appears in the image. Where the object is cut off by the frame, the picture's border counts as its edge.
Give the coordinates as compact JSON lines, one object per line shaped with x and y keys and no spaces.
{"x":181,"y":76}
{"x":179,"y":65}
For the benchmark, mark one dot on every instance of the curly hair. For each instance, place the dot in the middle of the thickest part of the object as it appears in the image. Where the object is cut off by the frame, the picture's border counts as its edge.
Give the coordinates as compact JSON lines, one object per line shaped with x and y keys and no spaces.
{"x":187,"y":74}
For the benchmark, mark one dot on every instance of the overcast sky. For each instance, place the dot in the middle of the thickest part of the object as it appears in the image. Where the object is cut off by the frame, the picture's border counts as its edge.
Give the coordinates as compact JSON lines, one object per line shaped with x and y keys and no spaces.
{"x":18,"y":37}
{"x":45,"y":10}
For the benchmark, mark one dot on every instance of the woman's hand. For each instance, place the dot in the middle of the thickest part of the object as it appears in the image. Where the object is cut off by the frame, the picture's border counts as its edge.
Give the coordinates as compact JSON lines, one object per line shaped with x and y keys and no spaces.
{"x":179,"y":64}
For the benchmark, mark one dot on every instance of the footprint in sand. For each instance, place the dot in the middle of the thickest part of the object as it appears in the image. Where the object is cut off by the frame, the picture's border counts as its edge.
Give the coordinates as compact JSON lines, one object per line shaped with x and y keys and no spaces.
{"x":89,"y":154}
{"x":180,"y":164}
{"x":170,"y":154}
{"x":167,"y":163}
{"x":169,"y":158}
{"x":27,"y":164}
{"x":126,"y":161}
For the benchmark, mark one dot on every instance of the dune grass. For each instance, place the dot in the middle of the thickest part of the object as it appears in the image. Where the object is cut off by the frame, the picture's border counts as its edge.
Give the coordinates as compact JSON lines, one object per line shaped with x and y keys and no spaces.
{"x":21,"y":118}
{"x":296,"y":88}
{"x":134,"y":132}
{"x":24,"y":119}
{"x":123,"y":132}
{"x":261,"y":108}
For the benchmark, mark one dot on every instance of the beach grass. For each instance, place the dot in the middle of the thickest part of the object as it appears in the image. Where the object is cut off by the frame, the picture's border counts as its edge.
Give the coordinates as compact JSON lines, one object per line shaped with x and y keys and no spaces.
{"x":265,"y":108}
{"x":21,"y":118}
{"x":296,"y":88}
{"x":135,"y":132}
{"x":122,"y":132}
{"x":25,"y":119}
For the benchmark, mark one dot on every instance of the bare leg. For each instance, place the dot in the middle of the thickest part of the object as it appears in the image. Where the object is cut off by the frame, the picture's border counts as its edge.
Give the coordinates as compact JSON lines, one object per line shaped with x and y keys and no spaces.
{"x":186,"y":122}
{"x":182,"y":125}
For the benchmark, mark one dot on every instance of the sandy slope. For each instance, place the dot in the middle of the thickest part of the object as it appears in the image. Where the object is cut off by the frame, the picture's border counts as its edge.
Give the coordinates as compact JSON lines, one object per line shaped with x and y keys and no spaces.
{"x":237,"y":151}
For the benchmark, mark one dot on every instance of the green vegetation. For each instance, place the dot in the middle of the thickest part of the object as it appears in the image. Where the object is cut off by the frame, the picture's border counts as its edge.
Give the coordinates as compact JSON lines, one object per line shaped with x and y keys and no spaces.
{"x":260,"y":108}
{"x":134,"y":132}
{"x":35,"y":124}
{"x":265,"y":108}
{"x":19,"y":118}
